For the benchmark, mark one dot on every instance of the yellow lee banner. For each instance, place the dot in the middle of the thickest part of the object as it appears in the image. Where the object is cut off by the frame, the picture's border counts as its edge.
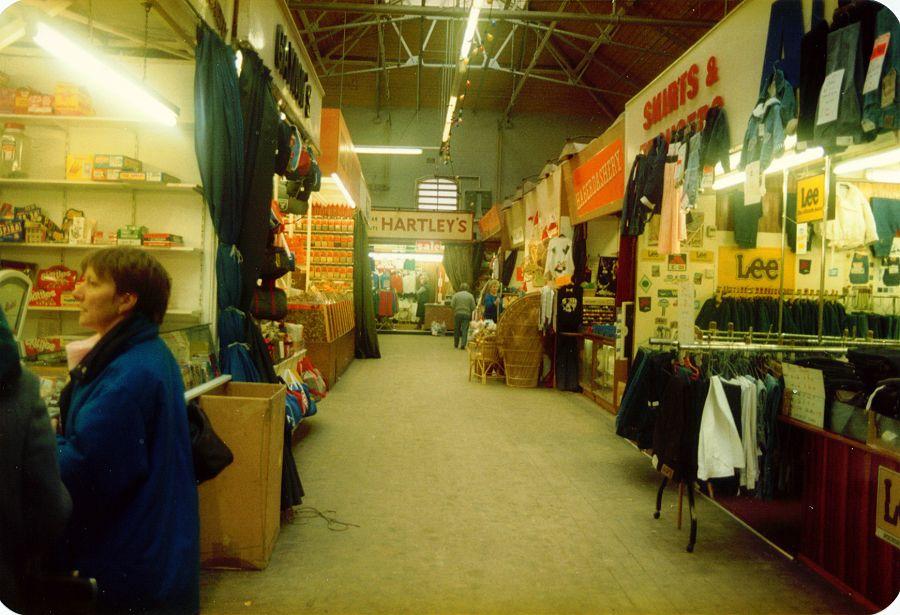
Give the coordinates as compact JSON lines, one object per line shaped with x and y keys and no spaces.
{"x":887,"y":509}
{"x":811,"y":199}
{"x":758,"y":268}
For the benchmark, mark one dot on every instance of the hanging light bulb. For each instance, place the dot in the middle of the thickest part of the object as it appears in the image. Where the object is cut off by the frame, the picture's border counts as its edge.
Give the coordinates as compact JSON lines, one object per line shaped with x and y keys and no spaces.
{"x":489,"y":37}
{"x":468,"y":82}
{"x":462,"y":97}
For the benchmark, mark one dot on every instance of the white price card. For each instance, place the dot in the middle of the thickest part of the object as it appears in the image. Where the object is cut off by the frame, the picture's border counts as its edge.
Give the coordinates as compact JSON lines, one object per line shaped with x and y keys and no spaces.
{"x":876,"y":62}
{"x":888,"y":88}
{"x":802,"y":238}
{"x":807,"y":388}
{"x":752,"y":190}
{"x":830,"y":97}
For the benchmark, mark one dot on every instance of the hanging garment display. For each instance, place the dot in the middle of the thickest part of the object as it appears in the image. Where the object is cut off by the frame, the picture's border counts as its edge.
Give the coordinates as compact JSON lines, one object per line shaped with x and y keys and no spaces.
{"x":559,"y":258}
{"x":859,"y":269}
{"x":880,"y":104}
{"x":716,"y":143}
{"x":886,"y":213}
{"x":768,"y":123}
{"x":853,"y":225}
{"x":813,"y":54}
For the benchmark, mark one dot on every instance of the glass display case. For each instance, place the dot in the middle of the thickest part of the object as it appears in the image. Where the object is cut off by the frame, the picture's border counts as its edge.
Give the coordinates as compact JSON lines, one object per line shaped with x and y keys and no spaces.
{"x":597,"y":370}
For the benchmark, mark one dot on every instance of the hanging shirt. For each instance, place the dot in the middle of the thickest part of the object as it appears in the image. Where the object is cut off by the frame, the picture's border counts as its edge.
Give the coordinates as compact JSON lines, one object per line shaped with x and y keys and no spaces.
{"x":548,"y":303}
{"x":853,"y":225}
{"x":397,"y":283}
{"x":749,"y":404}
{"x":569,"y":308}
{"x":559,"y":258}
{"x":409,"y":282}
{"x":719,"y":449}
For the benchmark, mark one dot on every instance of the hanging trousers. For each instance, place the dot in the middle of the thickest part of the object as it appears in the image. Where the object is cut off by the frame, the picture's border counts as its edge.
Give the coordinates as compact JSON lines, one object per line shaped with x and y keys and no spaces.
{"x":785,"y":34}
{"x":567,"y":363}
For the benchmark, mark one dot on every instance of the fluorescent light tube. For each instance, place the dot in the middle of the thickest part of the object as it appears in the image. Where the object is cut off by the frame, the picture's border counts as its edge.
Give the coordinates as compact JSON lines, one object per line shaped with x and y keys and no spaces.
{"x":387,"y":149}
{"x":729,"y":179}
{"x":789,"y":161}
{"x":880,"y":159}
{"x":471,"y":24}
{"x":102,"y":76}
{"x":883,"y":176}
{"x":337,"y":180}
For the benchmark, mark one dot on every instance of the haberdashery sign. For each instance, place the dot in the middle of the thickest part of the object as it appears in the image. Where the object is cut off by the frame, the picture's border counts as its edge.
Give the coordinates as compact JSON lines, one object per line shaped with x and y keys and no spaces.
{"x":887,"y":508}
{"x":593,"y":180}
{"x":811,"y":199}
{"x":759,"y":268}
{"x":601,"y":180}
{"x":456,"y":226}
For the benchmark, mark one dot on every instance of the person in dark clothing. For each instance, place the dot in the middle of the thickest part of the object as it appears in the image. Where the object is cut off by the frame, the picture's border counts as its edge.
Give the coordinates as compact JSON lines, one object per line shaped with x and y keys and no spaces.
{"x":490,"y":299}
{"x":34,"y":504}
{"x":463,"y":304}
{"x":421,"y":300}
{"x":125,"y":452}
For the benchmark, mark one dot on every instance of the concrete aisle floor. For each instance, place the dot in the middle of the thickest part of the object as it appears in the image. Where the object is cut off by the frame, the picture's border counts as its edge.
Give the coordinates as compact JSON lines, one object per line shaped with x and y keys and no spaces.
{"x":476,"y":498}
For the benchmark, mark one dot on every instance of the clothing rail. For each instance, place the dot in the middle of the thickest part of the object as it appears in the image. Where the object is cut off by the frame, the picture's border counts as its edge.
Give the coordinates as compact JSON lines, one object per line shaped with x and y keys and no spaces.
{"x":754,"y":336}
{"x":655,"y":341}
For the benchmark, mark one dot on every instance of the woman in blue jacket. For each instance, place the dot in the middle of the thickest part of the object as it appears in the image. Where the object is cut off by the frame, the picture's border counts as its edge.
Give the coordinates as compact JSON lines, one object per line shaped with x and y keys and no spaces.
{"x":124,"y":452}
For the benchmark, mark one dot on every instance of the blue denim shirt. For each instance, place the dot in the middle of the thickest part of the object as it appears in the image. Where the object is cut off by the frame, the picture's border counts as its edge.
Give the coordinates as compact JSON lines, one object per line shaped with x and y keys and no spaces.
{"x":764,"y":139}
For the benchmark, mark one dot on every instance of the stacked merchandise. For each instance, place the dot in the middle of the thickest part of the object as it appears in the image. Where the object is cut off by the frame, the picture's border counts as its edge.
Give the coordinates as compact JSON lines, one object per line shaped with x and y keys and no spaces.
{"x":113,"y":168}
{"x":67,"y":100}
{"x":331,"y":257}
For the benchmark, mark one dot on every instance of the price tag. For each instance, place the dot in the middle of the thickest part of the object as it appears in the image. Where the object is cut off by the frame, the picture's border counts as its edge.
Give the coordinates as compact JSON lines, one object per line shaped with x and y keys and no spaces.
{"x":829,"y":97}
{"x":811,"y":199}
{"x":708,"y":178}
{"x":876,"y":62}
{"x":752,"y":192}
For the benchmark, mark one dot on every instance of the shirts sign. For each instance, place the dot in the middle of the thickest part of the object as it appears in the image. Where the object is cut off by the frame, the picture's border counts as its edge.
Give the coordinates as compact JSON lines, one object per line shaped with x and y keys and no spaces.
{"x":887,"y":507}
{"x":601,"y":180}
{"x":811,"y":199}
{"x":455,"y":226}
{"x":759,"y":268}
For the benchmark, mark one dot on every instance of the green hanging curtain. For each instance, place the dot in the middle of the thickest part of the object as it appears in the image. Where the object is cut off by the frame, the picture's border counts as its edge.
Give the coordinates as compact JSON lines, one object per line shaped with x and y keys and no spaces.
{"x":462,"y":262}
{"x":363,"y":300}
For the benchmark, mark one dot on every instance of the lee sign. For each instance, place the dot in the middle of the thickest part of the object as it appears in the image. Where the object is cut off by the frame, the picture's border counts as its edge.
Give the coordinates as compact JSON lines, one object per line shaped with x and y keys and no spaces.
{"x":601,"y":180}
{"x":887,"y":510}
{"x":758,"y":268}
{"x":455,"y":226}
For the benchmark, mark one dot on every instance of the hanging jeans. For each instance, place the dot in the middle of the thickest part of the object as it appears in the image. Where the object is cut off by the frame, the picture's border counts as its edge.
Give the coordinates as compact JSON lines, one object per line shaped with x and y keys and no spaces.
{"x":785,"y":33}
{"x":843,"y":54}
{"x":880,"y":113}
{"x":461,"y":330}
{"x":567,"y":363}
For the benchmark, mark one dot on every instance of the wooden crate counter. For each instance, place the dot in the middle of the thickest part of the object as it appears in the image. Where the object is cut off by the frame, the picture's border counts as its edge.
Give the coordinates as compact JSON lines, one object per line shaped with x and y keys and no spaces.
{"x":329,"y":332}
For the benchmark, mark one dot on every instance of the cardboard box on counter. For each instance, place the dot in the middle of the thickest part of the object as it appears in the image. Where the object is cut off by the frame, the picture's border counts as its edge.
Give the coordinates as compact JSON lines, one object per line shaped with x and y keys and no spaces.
{"x":79,"y":166}
{"x":118,"y":161}
{"x":105,"y":175}
{"x":149,"y":177}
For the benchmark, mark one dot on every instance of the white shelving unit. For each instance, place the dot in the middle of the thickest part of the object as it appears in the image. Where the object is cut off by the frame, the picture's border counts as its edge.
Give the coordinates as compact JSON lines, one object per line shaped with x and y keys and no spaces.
{"x":92,"y":185}
{"x":79,"y":121}
{"x":89,"y":246}
{"x":176,"y":208}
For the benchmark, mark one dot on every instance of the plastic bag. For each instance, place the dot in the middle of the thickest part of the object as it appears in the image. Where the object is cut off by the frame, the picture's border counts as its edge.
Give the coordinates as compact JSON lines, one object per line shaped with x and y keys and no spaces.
{"x":312,"y":377}
{"x":438,"y":328}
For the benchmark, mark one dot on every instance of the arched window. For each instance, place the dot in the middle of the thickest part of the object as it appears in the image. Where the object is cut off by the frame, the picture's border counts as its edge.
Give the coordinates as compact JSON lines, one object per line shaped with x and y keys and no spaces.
{"x":437,"y":194}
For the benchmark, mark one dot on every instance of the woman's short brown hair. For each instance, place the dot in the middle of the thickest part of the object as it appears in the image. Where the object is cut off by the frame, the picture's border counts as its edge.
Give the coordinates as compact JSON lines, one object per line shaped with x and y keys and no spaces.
{"x":134,"y":271}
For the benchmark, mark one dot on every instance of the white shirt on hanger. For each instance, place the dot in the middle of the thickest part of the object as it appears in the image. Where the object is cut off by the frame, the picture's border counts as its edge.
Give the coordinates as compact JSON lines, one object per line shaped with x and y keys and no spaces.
{"x":719,"y":450}
{"x":559,"y":258}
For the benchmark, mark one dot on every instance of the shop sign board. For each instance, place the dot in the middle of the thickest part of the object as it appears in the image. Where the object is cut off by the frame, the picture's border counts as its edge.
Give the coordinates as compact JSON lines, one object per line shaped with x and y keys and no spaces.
{"x":887,"y":507}
{"x":811,"y":199}
{"x":601,"y":180}
{"x":490,"y":222}
{"x":447,"y":226}
{"x":759,"y":268}
{"x":269,"y":27}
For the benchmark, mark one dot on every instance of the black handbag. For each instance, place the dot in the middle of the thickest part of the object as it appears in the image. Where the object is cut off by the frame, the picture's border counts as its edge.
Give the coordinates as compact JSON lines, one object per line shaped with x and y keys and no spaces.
{"x":276,"y":263}
{"x":211,"y":454}
{"x":268,"y":303}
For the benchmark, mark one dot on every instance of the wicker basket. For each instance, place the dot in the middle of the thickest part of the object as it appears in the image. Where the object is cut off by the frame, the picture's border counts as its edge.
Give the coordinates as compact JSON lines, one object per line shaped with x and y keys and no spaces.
{"x":522,"y":367}
{"x":521,"y":345}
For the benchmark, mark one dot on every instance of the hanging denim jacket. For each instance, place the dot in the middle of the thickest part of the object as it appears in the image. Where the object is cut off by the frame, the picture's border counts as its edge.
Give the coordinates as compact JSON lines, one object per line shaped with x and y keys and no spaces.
{"x":878,"y":118}
{"x":768,"y":124}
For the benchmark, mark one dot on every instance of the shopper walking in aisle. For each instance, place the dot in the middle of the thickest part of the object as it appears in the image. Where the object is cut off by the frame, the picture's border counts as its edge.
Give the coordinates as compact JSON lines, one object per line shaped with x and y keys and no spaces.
{"x":34,"y":504}
{"x":490,"y":299}
{"x":421,"y":300}
{"x":124,"y":452}
{"x":463,"y":304}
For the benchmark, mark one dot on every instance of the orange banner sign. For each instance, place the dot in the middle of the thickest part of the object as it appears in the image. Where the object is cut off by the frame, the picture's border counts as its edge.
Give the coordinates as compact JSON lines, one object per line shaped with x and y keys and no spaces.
{"x":601,"y":180}
{"x":490,"y":222}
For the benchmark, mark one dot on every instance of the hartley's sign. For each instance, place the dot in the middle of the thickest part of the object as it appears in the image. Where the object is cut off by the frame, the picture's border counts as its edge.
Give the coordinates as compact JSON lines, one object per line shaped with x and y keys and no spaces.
{"x":455,"y":226}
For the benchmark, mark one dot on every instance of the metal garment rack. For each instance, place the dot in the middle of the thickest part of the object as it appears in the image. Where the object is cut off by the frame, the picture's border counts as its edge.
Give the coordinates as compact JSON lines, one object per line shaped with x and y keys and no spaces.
{"x":713,"y":345}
